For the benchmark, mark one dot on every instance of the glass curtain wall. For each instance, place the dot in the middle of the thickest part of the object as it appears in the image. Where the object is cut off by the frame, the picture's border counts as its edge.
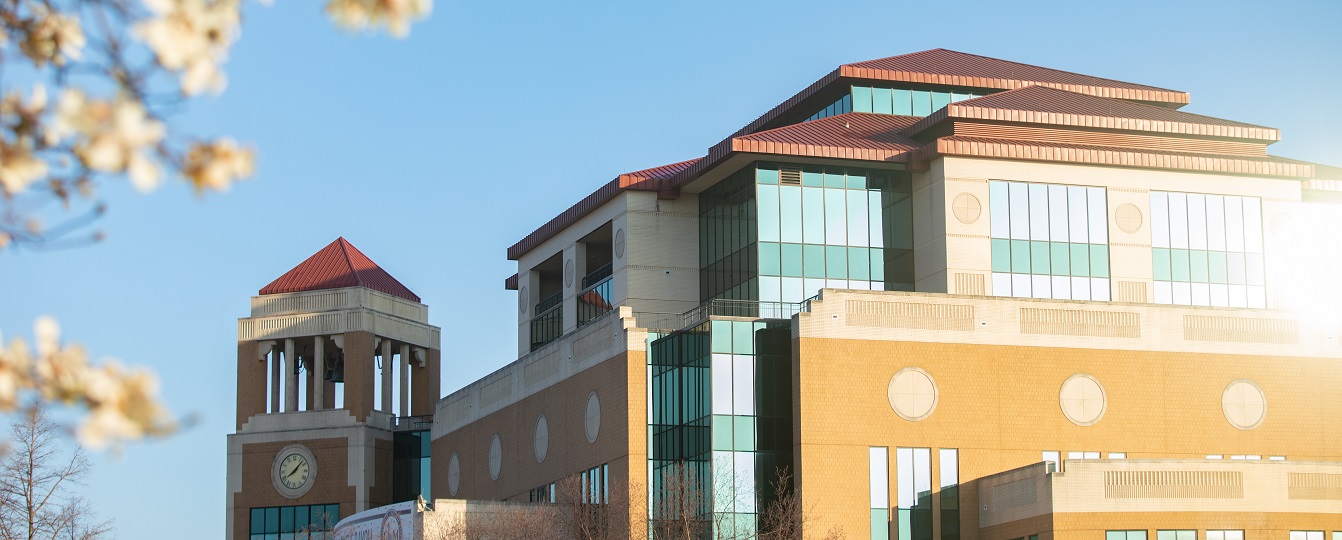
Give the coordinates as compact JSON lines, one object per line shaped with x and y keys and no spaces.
{"x":1207,"y":250}
{"x":411,"y":468}
{"x":721,"y":408}
{"x":889,"y":99}
{"x":313,"y":522}
{"x":837,"y":227}
{"x":727,"y":239}
{"x":1049,"y":241}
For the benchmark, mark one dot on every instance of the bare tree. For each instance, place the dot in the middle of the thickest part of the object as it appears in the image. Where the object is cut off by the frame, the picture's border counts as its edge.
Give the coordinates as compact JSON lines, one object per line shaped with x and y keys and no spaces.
{"x":37,"y":478}
{"x":681,"y":504}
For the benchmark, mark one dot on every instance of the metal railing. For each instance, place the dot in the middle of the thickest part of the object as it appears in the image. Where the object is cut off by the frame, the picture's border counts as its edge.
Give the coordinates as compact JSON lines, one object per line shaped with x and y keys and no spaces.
{"x":724,"y":308}
{"x":550,"y":302}
{"x":595,"y":276}
{"x":412,"y":423}
{"x":594,"y":300}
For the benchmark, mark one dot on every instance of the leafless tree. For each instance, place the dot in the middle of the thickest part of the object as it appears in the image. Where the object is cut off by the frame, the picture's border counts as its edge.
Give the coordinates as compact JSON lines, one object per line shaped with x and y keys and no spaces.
{"x":681,"y":504}
{"x":786,"y":517}
{"x":37,"y":479}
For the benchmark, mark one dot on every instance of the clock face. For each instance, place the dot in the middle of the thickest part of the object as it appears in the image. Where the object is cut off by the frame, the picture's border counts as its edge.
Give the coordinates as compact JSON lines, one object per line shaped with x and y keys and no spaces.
{"x":294,"y":471}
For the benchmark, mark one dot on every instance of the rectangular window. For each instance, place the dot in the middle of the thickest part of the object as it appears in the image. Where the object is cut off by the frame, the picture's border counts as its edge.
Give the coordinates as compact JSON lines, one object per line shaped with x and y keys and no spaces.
{"x":1226,"y":535}
{"x":903,"y":102}
{"x":1041,"y":230}
{"x":949,"y":465}
{"x":292,"y":521}
{"x":879,"y":480}
{"x":1204,"y":250}
{"x":862,"y":99}
{"x":1124,"y":535}
{"x":1177,"y":535}
{"x":1306,"y":535}
{"x":914,"y":480}
{"x":1051,"y":457}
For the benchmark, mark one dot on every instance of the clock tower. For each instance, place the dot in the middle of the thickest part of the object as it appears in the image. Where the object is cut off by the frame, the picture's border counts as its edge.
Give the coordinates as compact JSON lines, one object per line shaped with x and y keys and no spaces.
{"x":338,"y":374}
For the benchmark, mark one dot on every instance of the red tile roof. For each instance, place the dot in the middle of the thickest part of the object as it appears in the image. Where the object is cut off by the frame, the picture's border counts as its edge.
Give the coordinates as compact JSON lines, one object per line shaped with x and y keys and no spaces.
{"x":338,"y":265}
{"x":645,"y":180}
{"x":1117,"y":157}
{"x":867,"y":136}
{"x":952,"y":68}
{"x":1043,"y":105}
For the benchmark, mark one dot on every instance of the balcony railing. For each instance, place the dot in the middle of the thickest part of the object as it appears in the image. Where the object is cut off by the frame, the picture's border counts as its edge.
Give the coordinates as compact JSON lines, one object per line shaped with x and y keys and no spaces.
{"x":412,"y":423}
{"x":597,"y":275}
{"x":595,"y":300}
{"x":724,"y":308}
{"x":549,"y":303}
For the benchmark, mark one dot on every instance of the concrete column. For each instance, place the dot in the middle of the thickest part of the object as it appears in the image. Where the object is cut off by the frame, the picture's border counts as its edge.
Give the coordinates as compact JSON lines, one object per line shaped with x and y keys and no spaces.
{"x":387,"y":374}
{"x":575,"y":261}
{"x":404,"y":366}
{"x":318,"y":385}
{"x":275,"y":380}
{"x":290,"y":379}
{"x":529,"y":284}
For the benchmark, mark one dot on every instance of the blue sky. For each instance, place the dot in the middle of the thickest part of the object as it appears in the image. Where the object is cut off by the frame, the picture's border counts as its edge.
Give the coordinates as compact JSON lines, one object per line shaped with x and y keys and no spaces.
{"x":434,"y":153}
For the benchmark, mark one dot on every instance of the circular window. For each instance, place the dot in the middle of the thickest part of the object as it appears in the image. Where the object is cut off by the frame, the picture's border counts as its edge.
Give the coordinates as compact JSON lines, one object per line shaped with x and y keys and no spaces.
{"x":592,"y":420}
{"x":495,"y":457}
{"x":542,"y":438}
{"x":619,"y":244}
{"x":1082,"y":399}
{"x":453,"y":474}
{"x":1129,"y":218}
{"x":967,"y":208}
{"x":1244,"y":404}
{"x":912,"y":394}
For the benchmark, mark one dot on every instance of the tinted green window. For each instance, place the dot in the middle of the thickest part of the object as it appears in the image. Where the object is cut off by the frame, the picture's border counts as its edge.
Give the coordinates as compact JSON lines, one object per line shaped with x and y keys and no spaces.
{"x":1001,"y":255}
{"x":301,"y":518}
{"x":877,"y":264}
{"x":940,"y":99}
{"x":857,"y":181}
{"x":1081,"y":260}
{"x":1179,"y":264}
{"x":1039,"y":258}
{"x":1020,"y":256}
{"x":1216,"y":267}
{"x":813,"y":177}
{"x":744,"y":437}
{"x":722,"y":337}
{"x":880,"y":524}
{"x":922,"y":103}
{"x":834,"y":178}
{"x":859,"y":263}
{"x":836,"y":262}
{"x":1197,"y":266}
{"x":743,"y":339}
{"x":813,"y":257}
{"x":258,"y":521}
{"x":722,"y":432}
{"x":766,"y":176}
{"x":1060,"y":257}
{"x":272,"y":520}
{"x":770,"y":261}
{"x":880,"y":101}
{"x":903,"y":102}
{"x":1160,"y":263}
{"x":1099,"y":261}
{"x":861,"y":99}
{"x":791,"y":256}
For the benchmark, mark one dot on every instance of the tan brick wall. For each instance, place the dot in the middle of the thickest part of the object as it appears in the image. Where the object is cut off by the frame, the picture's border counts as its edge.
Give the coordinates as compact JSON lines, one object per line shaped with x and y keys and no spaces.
{"x":251,"y":382}
{"x":1256,"y":526}
{"x":359,"y":375}
{"x":426,"y":384}
{"x":332,"y":457}
{"x":620,"y":383}
{"x":999,"y":406}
